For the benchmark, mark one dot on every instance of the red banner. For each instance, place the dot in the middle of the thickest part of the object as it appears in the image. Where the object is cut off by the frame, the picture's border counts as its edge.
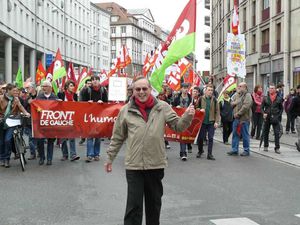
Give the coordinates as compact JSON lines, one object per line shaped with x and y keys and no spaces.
{"x":189,"y":135}
{"x":57,"y":119}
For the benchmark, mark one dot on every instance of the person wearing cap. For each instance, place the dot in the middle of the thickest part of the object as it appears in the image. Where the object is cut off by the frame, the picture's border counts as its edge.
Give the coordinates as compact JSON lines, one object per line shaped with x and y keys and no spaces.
{"x":9,"y":105}
{"x":46,"y":94}
{"x":183,"y":100}
{"x":295,"y":110}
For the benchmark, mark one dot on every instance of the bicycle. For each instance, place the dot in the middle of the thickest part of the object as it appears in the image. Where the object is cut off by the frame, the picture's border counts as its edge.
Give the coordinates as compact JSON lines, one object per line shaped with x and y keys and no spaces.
{"x":20,"y":145}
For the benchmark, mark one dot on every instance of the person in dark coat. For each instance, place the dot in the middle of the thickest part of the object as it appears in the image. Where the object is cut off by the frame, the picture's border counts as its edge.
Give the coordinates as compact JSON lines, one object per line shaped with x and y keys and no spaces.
{"x":226,"y":112}
{"x":272,"y":108}
{"x":295,"y":112}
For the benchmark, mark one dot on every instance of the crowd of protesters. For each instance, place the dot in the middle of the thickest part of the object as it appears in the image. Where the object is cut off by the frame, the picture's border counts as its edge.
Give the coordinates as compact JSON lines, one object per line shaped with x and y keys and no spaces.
{"x":234,"y":112}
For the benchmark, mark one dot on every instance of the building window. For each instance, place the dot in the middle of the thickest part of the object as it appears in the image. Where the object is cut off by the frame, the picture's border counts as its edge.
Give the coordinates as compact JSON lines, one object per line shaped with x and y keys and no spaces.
{"x":207,"y":53}
{"x":278,"y":6}
{"x":113,"y":30}
{"x":123,"y":41}
{"x":266,"y":4}
{"x":253,"y":13}
{"x":207,"y":37}
{"x":123,"y":29}
{"x":265,"y":41}
{"x":207,"y":4}
{"x":253,"y":43}
{"x":207,"y":21}
{"x":278,"y":37}
{"x":113,"y":42}
{"x":113,"y":55}
{"x":245,"y":19}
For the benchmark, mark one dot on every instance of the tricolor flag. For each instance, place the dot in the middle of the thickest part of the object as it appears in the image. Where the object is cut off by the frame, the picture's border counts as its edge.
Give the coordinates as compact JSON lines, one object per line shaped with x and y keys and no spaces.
{"x":180,"y":43}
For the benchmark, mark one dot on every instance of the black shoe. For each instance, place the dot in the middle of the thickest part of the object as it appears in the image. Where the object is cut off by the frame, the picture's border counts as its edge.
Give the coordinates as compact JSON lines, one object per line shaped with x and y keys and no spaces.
{"x":232,"y":153}
{"x":41,"y":162}
{"x":293,"y":132}
{"x":199,"y":155}
{"x":81,"y":141}
{"x":277,"y":150}
{"x":245,"y":154}
{"x":210,"y":157}
{"x":32,"y":157}
{"x":49,"y":163}
{"x":298,"y":146}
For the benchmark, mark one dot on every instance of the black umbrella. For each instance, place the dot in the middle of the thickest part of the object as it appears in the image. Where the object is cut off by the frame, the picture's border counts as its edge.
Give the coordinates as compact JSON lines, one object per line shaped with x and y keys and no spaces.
{"x":262,"y":134}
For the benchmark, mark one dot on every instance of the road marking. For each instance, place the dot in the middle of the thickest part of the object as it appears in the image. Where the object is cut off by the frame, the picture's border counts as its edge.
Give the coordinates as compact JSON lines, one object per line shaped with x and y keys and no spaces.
{"x":234,"y":221}
{"x":298,"y":215}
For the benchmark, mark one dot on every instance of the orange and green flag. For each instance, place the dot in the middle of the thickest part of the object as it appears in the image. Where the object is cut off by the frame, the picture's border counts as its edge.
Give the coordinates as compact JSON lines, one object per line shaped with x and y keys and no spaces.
{"x":40,"y":73}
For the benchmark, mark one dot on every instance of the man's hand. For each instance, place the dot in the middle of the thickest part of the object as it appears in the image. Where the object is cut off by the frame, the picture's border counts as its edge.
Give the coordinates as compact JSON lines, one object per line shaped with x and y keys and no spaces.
{"x":90,"y":101}
{"x":27,"y":114}
{"x":108,"y":167}
{"x":236,"y":116}
{"x":59,"y":100}
{"x":216,"y":125}
{"x":265,"y":115}
{"x":100,"y":101}
{"x":202,"y":110}
{"x":191,"y":109}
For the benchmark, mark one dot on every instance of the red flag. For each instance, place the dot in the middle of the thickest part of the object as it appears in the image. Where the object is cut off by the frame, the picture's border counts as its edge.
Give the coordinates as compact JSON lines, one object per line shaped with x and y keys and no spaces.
{"x":190,"y":77}
{"x":71,"y":74}
{"x":146,"y":66}
{"x":235,"y":19}
{"x":123,"y":59}
{"x":40,"y":73}
{"x":103,"y":78}
{"x":174,"y":81}
{"x":176,"y":71}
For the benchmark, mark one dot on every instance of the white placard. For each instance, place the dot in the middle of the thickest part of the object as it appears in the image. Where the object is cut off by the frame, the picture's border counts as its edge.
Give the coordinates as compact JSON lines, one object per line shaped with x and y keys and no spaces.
{"x":10,"y":122}
{"x":236,"y":55}
{"x":117,"y":89}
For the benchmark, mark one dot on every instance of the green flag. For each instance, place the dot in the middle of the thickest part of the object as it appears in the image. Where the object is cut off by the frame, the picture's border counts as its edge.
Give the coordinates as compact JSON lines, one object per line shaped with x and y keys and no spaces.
{"x":182,"y":39}
{"x":19,"y":79}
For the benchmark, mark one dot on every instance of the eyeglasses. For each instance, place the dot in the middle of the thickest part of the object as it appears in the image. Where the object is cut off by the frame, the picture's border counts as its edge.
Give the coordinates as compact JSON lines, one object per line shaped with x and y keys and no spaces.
{"x":143,"y":88}
{"x":45,"y":86}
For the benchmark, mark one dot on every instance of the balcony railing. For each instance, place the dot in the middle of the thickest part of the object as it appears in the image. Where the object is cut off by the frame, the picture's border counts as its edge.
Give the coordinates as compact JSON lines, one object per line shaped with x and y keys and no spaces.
{"x":265,"y":48}
{"x":265,"y":14}
{"x":278,"y":46}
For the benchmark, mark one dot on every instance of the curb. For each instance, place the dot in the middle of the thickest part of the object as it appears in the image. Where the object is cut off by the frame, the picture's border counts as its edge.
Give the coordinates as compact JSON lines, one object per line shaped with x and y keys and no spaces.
{"x":267,"y":156}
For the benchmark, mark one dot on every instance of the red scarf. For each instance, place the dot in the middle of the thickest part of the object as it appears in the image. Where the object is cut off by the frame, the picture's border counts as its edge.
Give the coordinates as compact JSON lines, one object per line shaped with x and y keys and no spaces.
{"x":142,"y":106}
{"x":69,"y":96}
{"x":273,"y":97}
{"x":96,"y":88}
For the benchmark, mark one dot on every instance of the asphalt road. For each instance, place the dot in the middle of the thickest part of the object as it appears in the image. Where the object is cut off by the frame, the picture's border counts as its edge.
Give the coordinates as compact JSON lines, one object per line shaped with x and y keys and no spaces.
{"x":196,"y":192}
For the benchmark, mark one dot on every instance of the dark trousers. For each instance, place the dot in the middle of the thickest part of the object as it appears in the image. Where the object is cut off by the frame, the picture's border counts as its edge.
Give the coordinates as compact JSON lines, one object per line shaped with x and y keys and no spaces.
{"x":257,"y":121}
{"x":143,"y":184}
{"x":41,"y":149}
{"x":227,"y":129}
{"x":290,"y":123}
{"x":210,"y":129}
{"x":276,"y":128}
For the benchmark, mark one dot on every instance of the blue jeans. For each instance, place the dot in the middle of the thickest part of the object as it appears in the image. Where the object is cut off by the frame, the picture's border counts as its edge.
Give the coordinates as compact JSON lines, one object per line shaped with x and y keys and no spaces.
{"x":183,"y":149}
{"x":6,"y":145}
{"x":236,"y":136}
{"x":64,"y":147}
{"x":31,"y":141}
{"x":93,"y":147}
{"x":41,"y":149}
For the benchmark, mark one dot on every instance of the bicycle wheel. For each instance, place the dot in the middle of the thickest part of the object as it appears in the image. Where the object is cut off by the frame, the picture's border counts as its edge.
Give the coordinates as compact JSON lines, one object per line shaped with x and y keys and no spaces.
{"x":22,"y":161}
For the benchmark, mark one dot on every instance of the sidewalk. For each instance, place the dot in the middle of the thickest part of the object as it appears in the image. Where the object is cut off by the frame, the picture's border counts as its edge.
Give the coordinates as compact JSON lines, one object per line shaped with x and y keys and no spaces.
{"x":289,"y":153}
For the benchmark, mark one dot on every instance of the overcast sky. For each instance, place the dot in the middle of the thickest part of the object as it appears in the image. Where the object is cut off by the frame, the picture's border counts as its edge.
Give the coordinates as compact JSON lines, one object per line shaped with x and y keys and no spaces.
{"x":165,"y":12}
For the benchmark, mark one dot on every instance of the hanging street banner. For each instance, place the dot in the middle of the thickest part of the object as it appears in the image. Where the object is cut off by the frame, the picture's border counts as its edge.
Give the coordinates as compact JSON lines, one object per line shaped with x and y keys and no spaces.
{"x":59,"y":119}
{"x":236,"y":55}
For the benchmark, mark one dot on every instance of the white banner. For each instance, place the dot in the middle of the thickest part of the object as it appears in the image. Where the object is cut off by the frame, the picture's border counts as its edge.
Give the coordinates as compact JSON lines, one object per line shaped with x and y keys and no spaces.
{"x":236,"y":55}
{"x":117,"y":89}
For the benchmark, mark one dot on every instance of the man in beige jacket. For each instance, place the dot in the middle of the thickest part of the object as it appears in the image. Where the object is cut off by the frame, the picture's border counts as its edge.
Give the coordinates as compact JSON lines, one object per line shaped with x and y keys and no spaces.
{"x":141,"y":123}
